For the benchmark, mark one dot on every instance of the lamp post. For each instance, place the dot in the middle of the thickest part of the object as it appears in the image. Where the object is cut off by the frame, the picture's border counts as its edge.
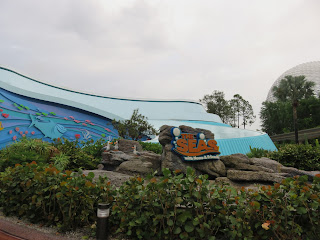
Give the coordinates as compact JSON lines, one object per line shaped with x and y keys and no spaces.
{"x":102,"y":223}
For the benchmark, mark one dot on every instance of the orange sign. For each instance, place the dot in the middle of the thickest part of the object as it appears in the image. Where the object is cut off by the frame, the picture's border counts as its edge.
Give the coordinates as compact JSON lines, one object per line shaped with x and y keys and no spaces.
{"x":194,"y":147}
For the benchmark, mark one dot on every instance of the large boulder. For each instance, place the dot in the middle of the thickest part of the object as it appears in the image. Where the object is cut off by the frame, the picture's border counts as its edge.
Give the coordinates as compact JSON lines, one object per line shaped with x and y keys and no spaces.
{"x":243,"y":162}
{"x":112,"y":159}
{"x":291,"y":172}
{"x":144,"y":164}
{"x":115,"y":178}
{"x":238,"y":185}
{"x":255,"y":176}
{"x":126,"y":146}
{"x":135,"y":167}
{"x":267,"y":163}
{"x":170,"y":160}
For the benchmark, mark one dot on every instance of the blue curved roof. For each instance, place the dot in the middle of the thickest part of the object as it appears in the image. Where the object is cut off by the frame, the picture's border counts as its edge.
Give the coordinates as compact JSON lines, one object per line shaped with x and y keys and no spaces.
{"x":158,"y":112}
{"x":110,"y":107}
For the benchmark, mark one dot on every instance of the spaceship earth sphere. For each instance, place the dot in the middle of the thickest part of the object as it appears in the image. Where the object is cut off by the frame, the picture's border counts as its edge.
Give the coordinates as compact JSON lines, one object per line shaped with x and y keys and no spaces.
{"x":311,"y":70}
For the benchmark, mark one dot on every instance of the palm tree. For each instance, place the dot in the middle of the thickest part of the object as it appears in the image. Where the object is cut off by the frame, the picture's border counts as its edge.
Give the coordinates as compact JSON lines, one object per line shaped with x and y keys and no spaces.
{"x":293,"y":88}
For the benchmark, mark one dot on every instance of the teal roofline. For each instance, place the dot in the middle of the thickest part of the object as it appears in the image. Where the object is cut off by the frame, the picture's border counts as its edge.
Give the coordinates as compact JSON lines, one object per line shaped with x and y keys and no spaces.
{"x":95,"y":95}
{"x":110,"y":107}
{"x":66,"y":102}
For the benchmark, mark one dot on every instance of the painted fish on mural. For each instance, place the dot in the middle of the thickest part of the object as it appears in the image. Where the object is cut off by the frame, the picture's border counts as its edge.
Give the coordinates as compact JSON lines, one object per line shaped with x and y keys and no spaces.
{"x":49,"y":128}
{"x":1,"y":126}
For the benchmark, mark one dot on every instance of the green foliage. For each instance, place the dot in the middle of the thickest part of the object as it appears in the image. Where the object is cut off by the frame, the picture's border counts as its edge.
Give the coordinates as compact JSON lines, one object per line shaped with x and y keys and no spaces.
{"x":258,"y":153}
{"x":293,"y":89}
{"x":62,"y":152}
{"x":241,"y":109}
{"x":78,"y":157}
{"x":230,"y":111}
{"x":25,"y":151}
{"x":276,"y":117}
{"x":42,"y":193}
{"x":134,"y":128}
{"x":289,"y":210}
{"x":93,"y":148}
{"x":305,"y":157}
{"x":176,"y":206}
{"x":189,"y":207}
{"x":173,"y":207}
{"x":153,"y":147}
{"x":61,"y":161}
{"x":217,"y":104}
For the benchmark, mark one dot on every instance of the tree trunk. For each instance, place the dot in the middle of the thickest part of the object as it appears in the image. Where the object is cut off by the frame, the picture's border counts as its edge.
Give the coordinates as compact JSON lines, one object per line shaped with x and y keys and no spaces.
{"x":295,"y":122}
{"x":238,"y":120}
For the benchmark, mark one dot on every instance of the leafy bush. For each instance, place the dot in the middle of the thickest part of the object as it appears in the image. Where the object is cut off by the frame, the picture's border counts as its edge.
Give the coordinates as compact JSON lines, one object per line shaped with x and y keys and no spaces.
{"x":25,"y":151}
{"x":258,"y":153}
{"x":78,"y":157}
{"x":63,"y":153}
{"x":289,"y":210}
{"x":300,"y":156}
{"x":93,"y":148}
{"x":153,"y":147}
{"x":45,"y":194}
{"x":61,"y":161}
{"x":134,"y":128}
{"x":174,"y":207}
{"x":189,"y":207}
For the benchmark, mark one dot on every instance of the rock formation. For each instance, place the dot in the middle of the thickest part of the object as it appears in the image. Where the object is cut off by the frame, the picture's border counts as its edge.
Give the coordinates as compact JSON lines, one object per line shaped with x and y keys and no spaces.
{"x":125,"y":161}
{"x":235,"y":169}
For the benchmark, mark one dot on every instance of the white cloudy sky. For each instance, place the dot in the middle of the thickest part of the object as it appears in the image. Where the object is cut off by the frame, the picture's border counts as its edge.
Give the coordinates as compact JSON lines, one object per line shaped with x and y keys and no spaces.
{"x":163,"y":49}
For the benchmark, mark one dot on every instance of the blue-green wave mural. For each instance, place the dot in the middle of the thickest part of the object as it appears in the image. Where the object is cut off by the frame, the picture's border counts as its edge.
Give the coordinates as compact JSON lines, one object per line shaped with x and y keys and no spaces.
{"x":22,"y":116}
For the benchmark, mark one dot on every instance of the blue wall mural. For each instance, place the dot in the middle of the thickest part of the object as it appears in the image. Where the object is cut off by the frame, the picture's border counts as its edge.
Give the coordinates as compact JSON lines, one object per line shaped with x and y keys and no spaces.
{"x":26,"y":117}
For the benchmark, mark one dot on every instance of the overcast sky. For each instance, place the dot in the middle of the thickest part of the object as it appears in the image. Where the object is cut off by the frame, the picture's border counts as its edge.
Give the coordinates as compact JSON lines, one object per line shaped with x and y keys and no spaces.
{"x":162,"y":49}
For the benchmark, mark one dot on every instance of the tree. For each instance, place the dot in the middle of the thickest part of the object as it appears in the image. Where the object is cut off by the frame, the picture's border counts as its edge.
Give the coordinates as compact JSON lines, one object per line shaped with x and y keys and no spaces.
{"x":135,"y":128}
{"x":236,"y":105}
{"x":276,"y":117}
{"x":293,"y":88}
{"x":216,"y":104}
{"x":248,"y":116}
{"x":309,"y":113}
{"x":230,"y":111}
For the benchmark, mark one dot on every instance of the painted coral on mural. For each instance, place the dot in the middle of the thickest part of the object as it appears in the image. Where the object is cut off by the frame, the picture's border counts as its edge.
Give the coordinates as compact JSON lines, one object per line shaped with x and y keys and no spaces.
{"x":26,"y":117}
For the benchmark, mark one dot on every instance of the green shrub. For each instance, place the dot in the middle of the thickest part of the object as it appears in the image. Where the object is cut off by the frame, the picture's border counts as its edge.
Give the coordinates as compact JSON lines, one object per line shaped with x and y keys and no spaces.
{"x":189,"y":207}
{"x":258,"y":153}
{"x":93,"y":148}
{"x":289,"y":210}
{"x":78,"y":157}
{"x":45,"y":194}
{"x":63,"y":153}
{"x":176,"y":206}
{"x":26,"y":150}
{"x":153,"y":147}
{"x":305,"y":157}
{"x":173,"y":207}
{"x":61,"y":161}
